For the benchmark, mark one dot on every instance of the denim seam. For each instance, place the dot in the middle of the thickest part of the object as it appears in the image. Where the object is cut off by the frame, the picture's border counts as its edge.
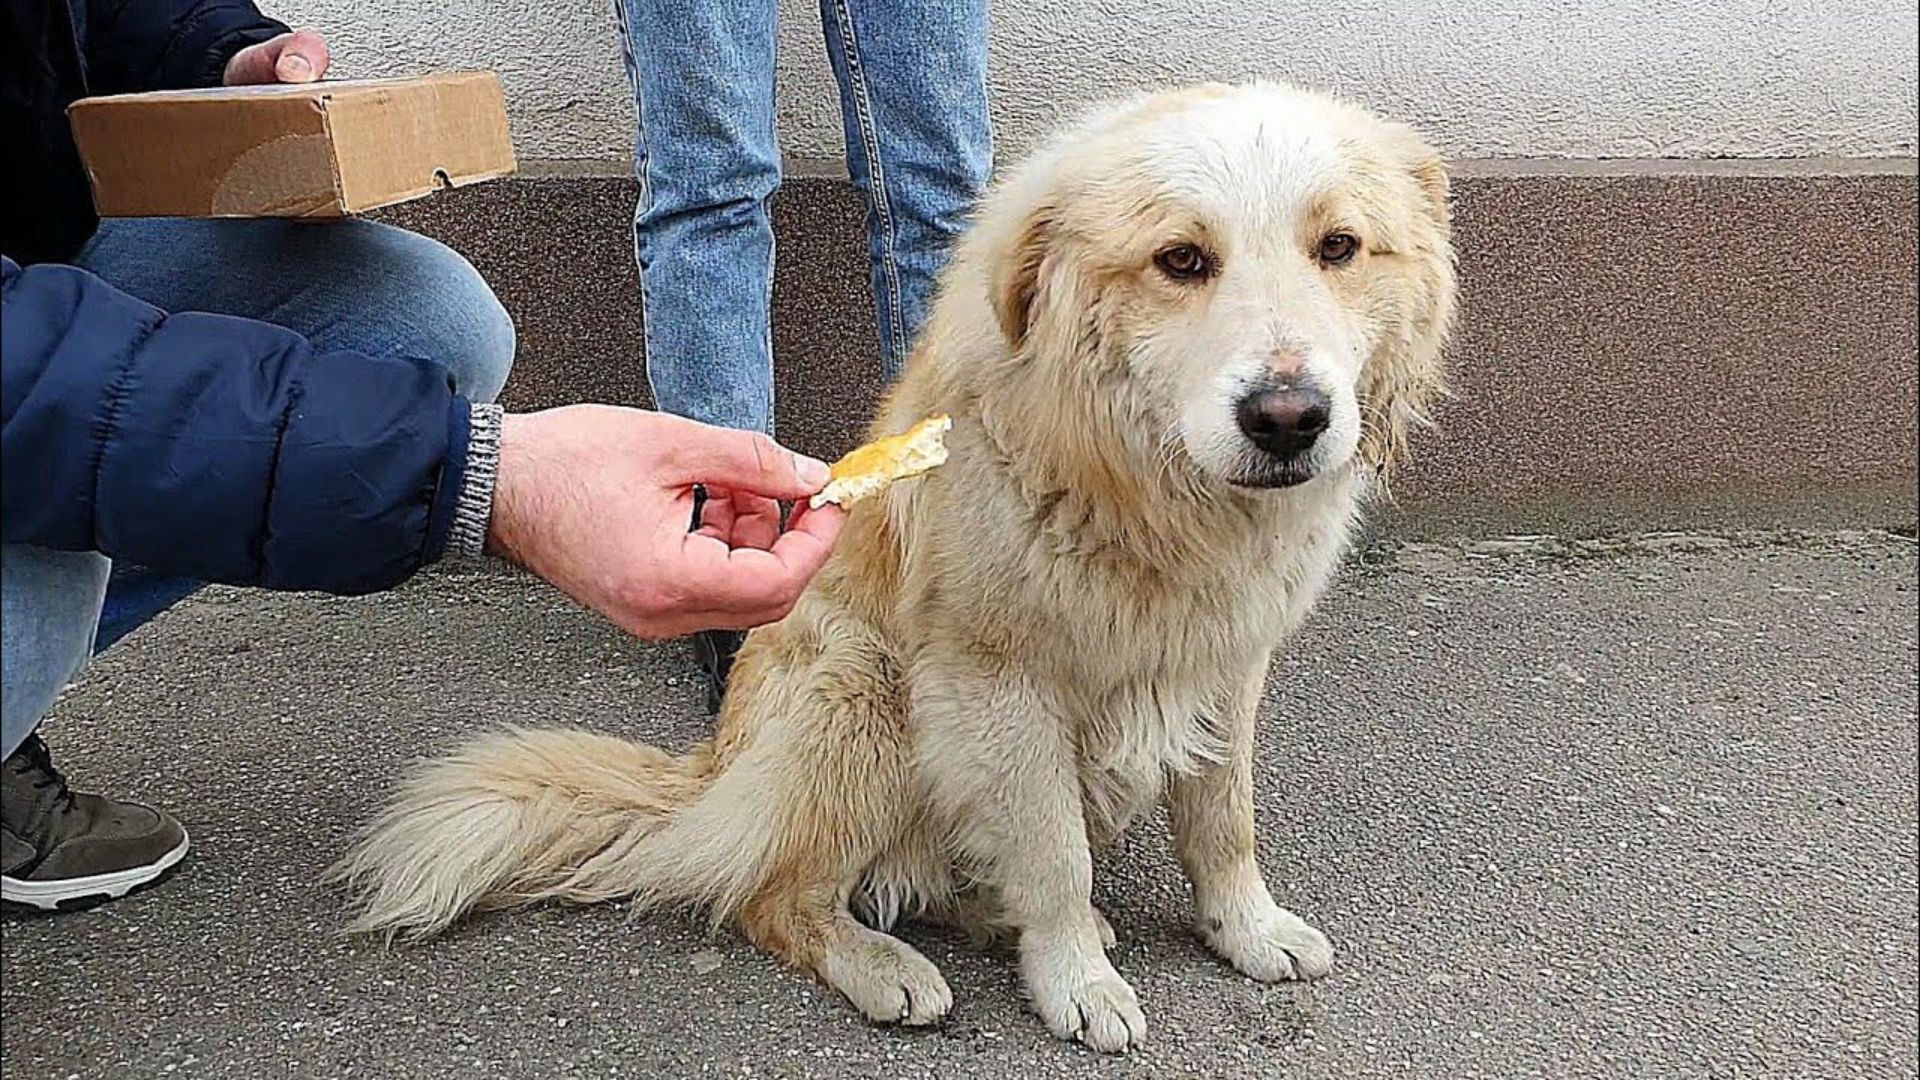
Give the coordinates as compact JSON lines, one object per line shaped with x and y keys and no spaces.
{"x":773,"y":260}
{"x":882,"y":204}
{"x":635,"y":81}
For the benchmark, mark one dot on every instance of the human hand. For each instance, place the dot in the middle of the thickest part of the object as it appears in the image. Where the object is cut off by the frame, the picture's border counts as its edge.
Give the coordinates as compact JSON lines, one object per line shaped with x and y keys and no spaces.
{"x":597,"y":500}
{"x":299,"y":57}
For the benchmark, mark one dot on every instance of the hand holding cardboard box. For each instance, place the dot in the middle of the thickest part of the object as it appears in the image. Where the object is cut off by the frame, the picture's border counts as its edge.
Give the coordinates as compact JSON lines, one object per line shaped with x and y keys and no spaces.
{"x":288,"y":149}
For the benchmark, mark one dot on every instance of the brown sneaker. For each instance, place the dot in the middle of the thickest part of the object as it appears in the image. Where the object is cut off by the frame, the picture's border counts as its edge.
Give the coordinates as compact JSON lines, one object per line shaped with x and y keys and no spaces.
{"x":60,"y":850}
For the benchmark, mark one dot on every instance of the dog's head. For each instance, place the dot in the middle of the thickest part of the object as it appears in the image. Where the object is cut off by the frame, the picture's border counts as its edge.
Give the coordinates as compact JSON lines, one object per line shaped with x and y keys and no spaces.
{"x":1264,"y":275}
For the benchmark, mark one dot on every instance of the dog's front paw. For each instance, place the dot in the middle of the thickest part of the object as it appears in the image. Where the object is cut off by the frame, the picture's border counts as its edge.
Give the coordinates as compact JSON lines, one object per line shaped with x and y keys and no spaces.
{"x":1087,"y":1001}
{"x":1270,"y":944}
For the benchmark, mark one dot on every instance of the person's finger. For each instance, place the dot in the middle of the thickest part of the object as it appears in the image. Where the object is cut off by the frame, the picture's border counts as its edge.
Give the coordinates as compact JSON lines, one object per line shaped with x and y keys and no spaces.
{"x":740,"y":460}
{"x":716,"y":579}
{"x":745,"y":579}
{"x":756,"y":520}
{"x":718,"y":515}
{"x":303,"y":57}
{"x":809,"y":540}
{"x":740,"y":518}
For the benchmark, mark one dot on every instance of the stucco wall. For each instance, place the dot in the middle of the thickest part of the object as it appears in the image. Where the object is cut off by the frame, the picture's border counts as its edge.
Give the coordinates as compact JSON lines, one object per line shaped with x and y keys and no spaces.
{"x":1487,"y":78}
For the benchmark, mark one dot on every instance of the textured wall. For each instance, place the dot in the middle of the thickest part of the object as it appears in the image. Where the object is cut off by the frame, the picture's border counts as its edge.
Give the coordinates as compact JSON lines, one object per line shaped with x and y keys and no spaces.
{"x":1487,"y":78}
{"x":1652,"y":351}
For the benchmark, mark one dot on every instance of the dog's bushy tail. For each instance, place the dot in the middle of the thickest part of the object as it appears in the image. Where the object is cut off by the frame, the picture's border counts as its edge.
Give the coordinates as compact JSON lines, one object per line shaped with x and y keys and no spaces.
{"x":534,"y":815}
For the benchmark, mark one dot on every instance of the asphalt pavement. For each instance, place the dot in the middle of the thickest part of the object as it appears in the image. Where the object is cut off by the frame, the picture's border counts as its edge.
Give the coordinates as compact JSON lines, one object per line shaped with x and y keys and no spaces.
{"x":1636,"y":808}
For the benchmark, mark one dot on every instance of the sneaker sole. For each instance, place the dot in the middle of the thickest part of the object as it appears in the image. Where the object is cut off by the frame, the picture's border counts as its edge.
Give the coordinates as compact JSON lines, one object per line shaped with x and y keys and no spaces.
{"x":71,"y":894}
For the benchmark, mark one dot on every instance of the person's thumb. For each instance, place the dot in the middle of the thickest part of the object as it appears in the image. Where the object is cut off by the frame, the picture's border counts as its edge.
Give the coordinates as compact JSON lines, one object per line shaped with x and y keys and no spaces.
{"x":298,"y":57}
{"x":743,"y":461}
{"x":303,"y":57}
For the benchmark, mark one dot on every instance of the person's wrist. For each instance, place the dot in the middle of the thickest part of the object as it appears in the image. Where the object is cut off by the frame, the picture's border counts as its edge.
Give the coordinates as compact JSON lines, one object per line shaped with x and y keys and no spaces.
{"x":479,"y":483}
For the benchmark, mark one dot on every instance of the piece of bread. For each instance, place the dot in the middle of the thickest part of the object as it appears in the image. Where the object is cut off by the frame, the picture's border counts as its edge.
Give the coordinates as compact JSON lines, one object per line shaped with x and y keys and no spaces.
{"x":881,"y":462}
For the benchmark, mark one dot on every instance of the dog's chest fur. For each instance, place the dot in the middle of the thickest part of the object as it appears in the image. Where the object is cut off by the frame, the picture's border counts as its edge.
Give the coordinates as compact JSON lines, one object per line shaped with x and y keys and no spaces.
{"x":1145,"y":673}
{"x":1154,"y":663}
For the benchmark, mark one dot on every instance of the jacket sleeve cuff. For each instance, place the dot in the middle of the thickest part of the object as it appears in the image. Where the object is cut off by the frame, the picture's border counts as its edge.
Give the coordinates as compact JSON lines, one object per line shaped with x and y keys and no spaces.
{"x":473,"y":509}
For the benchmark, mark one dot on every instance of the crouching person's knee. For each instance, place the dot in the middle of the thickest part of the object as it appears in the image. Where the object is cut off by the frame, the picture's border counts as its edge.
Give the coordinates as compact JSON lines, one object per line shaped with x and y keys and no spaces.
{"x":484,"y":355}
{"x":477,"y":338}
{"x":451,"y":314}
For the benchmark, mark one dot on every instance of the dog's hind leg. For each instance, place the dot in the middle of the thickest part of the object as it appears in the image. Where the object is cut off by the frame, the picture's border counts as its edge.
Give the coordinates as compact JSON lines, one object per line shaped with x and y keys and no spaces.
{"x":839,"y":789}
{"x":807,"y":924}
{"x":800,"y":914}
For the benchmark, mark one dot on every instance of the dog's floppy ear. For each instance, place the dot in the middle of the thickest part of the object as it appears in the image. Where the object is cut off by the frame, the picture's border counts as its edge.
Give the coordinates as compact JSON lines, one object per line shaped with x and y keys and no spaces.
{"x":1406,"y":374}
{"x":1016,"y":275}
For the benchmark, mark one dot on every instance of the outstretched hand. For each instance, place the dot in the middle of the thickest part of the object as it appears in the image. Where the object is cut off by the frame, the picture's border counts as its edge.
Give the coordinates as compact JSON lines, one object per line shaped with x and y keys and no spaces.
{"x":598,"y":500}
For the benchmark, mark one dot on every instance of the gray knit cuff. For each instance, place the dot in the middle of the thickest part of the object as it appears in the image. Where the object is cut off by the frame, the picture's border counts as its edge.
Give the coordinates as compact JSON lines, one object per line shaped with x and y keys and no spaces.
{"x":468,"y":536}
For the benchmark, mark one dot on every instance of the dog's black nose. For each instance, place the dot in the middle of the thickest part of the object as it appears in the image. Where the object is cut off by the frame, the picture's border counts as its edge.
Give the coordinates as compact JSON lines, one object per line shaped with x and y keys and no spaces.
{"x":1284,"y":423}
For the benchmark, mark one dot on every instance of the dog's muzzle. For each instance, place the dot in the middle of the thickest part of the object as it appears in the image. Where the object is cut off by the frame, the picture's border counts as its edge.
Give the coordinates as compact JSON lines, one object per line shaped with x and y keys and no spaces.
{"x":1282,"y":421}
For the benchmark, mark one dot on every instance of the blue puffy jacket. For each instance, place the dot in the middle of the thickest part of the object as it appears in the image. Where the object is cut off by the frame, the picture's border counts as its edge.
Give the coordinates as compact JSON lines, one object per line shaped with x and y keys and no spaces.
{"x":217,"y":448}
{"x":201,"y":445}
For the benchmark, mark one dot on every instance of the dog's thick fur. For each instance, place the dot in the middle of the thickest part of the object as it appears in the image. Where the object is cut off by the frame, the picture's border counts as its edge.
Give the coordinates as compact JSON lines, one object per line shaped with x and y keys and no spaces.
{"x":1011,"y":659}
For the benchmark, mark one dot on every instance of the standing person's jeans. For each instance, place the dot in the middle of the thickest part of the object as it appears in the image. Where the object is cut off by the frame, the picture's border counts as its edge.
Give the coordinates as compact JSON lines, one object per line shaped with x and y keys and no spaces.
{"x":352,"y":285}
{"x":913,"y":99}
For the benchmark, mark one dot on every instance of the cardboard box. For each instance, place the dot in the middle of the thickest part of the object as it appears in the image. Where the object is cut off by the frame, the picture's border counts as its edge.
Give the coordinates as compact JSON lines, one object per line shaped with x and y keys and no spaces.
{"x":325,"y":149}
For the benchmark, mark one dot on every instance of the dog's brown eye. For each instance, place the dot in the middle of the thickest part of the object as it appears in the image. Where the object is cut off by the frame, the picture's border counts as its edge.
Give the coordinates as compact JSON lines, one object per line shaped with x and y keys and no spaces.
{"x":1184,"y":262}
{"x":1338,"y":248}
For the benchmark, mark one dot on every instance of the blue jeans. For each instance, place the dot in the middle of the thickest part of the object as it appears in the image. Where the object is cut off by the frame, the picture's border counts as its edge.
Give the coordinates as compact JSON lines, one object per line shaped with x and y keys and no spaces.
{"x":346,"y":285}
{"x":913,"y":100}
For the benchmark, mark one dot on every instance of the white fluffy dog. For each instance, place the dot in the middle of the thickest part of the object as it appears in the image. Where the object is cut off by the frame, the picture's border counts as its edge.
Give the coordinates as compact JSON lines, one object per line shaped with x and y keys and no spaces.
{"x":1177,"y":346}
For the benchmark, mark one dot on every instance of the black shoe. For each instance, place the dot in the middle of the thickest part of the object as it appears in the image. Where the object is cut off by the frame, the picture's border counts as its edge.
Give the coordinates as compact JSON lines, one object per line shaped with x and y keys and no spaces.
{"x":61,"y":850}
{"x":714,"y":651}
